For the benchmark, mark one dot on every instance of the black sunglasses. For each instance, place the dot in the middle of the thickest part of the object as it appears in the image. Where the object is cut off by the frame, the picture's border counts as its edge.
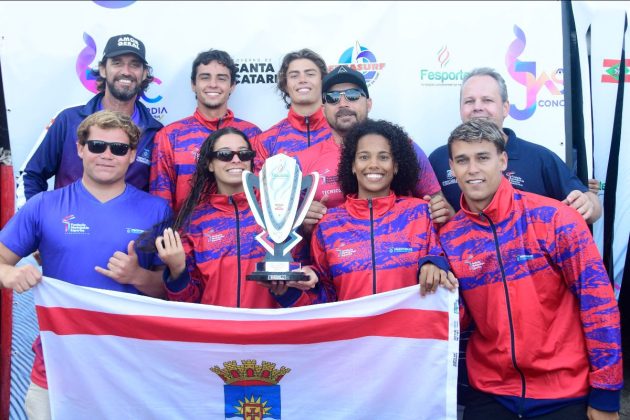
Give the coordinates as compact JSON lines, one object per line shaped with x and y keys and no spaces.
{"x":228,"y":155}
{"x":99,"y":146}
{"x":351,"y":95}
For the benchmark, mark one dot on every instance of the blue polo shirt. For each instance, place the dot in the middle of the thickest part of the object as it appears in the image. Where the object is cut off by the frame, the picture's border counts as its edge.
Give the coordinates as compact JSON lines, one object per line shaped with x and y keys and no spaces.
{"x":530,"y":167}
{"x":75,"y":232}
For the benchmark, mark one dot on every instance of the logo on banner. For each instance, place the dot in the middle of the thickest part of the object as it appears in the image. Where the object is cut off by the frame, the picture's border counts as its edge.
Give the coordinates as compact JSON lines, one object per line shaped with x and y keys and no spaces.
{"x":114,"y":4}
{"x":255,"y":71}
{"x":442,"y":76}
{"x":612,"y":68}
{"x":525,"y":73}
{"x":362,"y":60}
{"x":88,"y":79}
{"x":251,"y":391}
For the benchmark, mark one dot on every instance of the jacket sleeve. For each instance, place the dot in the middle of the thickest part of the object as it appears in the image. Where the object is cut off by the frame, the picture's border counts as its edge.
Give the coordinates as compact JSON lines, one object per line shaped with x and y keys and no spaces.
{"x":188,"y":287}
{"x":162,"y":179}
{"x":45,"y":161}
{"x":578,"y":258}
{"x":434,"y":252}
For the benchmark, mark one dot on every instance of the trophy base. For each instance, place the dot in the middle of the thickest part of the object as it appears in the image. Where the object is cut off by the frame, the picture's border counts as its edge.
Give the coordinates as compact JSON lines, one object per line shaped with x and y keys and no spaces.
{"x":277,"y":271}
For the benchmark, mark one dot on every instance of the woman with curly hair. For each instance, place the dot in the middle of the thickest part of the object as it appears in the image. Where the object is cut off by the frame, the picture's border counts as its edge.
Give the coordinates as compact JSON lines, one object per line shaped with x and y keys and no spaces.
{"x":212,"y":247}
{"x":380,"y":239}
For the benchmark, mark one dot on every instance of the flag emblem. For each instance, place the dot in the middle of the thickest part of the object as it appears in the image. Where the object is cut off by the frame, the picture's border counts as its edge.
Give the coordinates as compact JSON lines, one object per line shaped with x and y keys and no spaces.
{"x":612,"y":68}
{"x":251,"y":390}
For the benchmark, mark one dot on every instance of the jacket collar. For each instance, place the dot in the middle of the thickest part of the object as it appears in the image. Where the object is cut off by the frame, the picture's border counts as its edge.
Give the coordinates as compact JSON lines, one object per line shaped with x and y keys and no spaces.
{"x":224,"y":202}
{"x":146,"y":119}
{"x":359,"y":208}
{"x":315,"y":121}
{"x":499,"y":209}
{"x":215,"y":123}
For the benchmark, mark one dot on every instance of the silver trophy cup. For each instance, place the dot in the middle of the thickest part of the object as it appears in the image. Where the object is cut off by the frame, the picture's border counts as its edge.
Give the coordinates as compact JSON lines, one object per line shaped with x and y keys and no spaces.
{"x":280,"y":185}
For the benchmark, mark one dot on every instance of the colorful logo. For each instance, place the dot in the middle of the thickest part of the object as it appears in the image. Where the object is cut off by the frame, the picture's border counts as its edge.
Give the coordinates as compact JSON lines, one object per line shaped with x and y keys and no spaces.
{"x":441,"y":76}
{"x":524,"y":72}
{"x":251,"y":391}
{"x":74,"y":228}
{"x":114,"y":4}
{"x":88,"y":80}
{"x":251,"y":71}
{"x":612,"y":68}
{"x":362,"y":60}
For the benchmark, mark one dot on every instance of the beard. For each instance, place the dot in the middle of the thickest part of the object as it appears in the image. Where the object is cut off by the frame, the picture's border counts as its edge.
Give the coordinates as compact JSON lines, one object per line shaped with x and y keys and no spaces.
{"x":126,"y":93}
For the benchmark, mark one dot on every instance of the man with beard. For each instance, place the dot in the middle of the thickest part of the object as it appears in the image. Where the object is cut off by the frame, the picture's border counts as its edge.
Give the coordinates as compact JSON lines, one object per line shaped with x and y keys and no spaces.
{"x":346,"y":103}
{"x":122,"y":75}
{"x":213,"y":79}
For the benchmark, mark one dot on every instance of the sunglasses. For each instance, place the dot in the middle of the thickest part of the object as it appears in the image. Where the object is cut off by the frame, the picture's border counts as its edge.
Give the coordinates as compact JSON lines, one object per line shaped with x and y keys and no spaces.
{"x":99,"y":146}
{"x":228,"y":155}
{"x":351,"y":95}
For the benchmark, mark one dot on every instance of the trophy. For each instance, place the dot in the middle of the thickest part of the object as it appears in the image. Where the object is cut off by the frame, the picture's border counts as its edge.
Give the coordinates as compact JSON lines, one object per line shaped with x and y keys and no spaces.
{"x":280,"y":184}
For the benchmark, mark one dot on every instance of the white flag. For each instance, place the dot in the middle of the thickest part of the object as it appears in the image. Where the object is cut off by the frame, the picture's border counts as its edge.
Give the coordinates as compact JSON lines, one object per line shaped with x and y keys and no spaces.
{"x":112,"y":355}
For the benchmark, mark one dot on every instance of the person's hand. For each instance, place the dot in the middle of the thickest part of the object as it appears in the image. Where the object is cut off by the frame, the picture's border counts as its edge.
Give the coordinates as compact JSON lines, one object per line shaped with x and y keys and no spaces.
{"x":20,"y":279}
{"x":580,"y":201}
{"x":594,"y":414}
{"x":431,"y":276}
{"x":315,"y":212}
{"x":593,"y":186}
{"x":439,"y":209}
{"x":122,"y":267}
{"x":171,"y":251}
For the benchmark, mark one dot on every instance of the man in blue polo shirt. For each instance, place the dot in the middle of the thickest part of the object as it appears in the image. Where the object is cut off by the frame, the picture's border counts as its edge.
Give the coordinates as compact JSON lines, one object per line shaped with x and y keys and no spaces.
{"x":86,"y":231}
{"x":122,"y":75}
{"x":530,"y":167}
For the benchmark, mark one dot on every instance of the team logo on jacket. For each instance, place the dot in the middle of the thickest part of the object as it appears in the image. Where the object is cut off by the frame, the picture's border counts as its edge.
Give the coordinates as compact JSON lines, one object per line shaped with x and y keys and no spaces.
{"x":144,"y":156}
{"x":251,"y":390}
{"x":74,"y":228}
{"x":473,"y":265}
{"x":363,"y":60}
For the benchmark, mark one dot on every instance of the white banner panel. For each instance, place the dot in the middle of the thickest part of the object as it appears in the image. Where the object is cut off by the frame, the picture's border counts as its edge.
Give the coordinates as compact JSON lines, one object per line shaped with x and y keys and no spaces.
{"x":113,"y":355}
{"x":414,"y":55}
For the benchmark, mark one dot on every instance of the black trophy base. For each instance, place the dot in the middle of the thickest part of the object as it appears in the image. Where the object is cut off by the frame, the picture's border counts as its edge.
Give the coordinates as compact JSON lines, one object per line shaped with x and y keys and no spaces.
{"x":277,"y":276}
{"x":277,"y":271}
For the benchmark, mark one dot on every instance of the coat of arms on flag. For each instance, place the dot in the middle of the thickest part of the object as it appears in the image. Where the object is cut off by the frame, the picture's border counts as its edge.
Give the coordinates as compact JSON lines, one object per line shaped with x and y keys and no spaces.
{"x":251,"y":391}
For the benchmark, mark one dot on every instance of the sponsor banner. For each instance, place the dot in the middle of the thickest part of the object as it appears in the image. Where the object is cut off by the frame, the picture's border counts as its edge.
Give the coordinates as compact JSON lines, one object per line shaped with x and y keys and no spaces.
{"x":413,"y":75}
{"x":391,"y":355}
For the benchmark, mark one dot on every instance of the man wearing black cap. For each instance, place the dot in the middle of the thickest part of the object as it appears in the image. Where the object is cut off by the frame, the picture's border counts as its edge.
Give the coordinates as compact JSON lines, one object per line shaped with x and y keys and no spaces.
{"x":347,"y":102}
{"x":122,"y":75}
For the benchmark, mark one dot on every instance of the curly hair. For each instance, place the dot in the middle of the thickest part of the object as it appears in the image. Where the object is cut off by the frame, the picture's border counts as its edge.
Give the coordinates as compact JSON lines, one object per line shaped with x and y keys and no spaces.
{"x":404,"y":155}
{"x":203,"y":181}
{"x":304,"y":53}
{"x":100,"y":80}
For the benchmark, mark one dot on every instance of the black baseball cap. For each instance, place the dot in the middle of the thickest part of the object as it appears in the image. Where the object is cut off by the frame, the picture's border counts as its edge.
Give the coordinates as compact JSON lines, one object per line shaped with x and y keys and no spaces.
{"x":124,"y":44}
{"x":344,"y":74}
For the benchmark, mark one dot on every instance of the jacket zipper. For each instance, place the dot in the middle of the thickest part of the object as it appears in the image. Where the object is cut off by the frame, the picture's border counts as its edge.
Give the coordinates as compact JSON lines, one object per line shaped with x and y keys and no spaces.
{"x":238,"y":254}
{"x":372,"y":242}
{"x":509,"y":311}
{"x":308,"y":131}
{"x":219,"y":123}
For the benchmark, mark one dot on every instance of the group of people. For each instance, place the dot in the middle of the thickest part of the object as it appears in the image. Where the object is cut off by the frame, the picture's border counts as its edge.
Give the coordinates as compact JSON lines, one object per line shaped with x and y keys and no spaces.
{"x":545,"y":339}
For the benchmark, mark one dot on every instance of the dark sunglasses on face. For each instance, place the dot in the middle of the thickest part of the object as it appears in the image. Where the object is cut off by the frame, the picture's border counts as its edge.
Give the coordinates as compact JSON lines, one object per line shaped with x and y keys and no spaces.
{"x":228,"y":155}
{"x":99,"y":146}
{"x":351,"y":95}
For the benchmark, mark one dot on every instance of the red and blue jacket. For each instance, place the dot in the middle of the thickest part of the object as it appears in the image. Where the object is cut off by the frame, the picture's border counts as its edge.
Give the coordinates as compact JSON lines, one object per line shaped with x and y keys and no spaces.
{"x":546,"y":320}
{"x":177,"y":149}
{"x":290,"y":135}
{"x":221,"y":250}
{"x":369,"y":246}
